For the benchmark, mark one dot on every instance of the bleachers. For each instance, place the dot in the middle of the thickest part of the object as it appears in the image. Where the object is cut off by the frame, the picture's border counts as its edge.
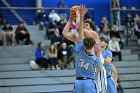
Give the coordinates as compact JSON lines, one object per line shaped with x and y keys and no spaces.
{"x":16,"y":76}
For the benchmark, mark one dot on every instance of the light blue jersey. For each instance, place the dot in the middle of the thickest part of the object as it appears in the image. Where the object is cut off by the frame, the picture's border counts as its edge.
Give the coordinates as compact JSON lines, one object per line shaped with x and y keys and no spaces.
{"x":111,"y":88}
{"x":85,"y":68}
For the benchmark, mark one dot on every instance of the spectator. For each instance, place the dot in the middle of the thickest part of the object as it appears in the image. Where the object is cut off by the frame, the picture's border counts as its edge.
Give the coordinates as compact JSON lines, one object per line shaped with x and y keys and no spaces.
{"x":137,"y":29}
{"x":115,"y":48}
{"x":129,"y":21}
{"x":61,"y":25}
{"x":115,"y":32}
{"x":42,"y":19}
{"x":129,"y":24}
{"x":8,"y":33}
{"x":40,"y":56}
{"x":54,"y":16}
{"x":61,"y":4}
{"x":71,"y":57}
{"x":51,"y":27}
{"x":52,"y":55}
{"x":136,"y":19}
{"x":22,"y":34}
{"x":56,"y":38}
{"x":62,"y":55}
{"x":114,"y":6}
{"x":105,"y":28}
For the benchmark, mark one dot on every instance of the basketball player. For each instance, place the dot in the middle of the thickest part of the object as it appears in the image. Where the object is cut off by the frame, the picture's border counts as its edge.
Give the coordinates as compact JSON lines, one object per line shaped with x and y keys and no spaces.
{"x":87,"y":28}
{"x":86,"y":62}
{"x":107,"y":55}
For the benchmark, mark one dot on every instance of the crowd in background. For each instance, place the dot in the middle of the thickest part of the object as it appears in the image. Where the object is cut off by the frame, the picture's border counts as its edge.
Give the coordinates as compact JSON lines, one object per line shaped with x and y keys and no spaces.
{"x":60,"y":54}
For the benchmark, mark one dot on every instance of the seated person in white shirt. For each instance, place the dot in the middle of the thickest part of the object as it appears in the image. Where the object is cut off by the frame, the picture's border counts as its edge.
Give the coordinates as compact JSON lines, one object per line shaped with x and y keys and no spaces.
{"x":53,"y":15}
{"x":114,"y":47}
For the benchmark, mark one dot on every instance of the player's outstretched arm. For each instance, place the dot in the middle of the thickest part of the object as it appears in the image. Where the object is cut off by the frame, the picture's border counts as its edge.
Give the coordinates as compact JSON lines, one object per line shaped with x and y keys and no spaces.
{"x":82,"y":12}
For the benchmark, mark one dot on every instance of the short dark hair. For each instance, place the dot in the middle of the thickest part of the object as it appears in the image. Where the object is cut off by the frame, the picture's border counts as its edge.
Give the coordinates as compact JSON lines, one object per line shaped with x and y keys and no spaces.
{"x":89,"y":43}
{"x":104,"y":39}
{"x":39,"y":44}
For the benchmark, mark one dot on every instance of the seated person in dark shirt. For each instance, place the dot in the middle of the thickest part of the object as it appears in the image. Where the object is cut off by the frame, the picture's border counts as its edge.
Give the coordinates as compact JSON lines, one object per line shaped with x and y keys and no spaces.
{"x":62,"y":55}
{"x":115,"y":32}
{"x":56,"y":38}
{"x":42,"y":19}
{"x":8,"y":33}
{"x":61,"y":25}
{"x":22,"y":34}
{"x":51,"y":27}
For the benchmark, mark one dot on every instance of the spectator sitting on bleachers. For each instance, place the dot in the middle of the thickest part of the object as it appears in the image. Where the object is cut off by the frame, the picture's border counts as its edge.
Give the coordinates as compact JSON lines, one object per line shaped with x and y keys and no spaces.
{"x":42,"y":19}
{"x":61,"y":25}
{"x":71,"y":57}
{"x":129,"y":21}
{"x":136,"y":19}
{"x":22,"y":33}
{"x":52,"y":57}
{"x":105,"y":28}
{"x":40,"y":56}
{"x":62,"y":55}
{"x":8,"y":34}
{"x":137,"y":29}
{"x":51,"y":27}
{"x":56,"y":38}
{"x":115,"y":48}
{"x":115,"y":32}
{"x":54,"y":16}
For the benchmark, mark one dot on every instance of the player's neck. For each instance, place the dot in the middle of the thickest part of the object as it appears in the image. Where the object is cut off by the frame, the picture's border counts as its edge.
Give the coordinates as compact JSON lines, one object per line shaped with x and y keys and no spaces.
{"x":89,"y":51}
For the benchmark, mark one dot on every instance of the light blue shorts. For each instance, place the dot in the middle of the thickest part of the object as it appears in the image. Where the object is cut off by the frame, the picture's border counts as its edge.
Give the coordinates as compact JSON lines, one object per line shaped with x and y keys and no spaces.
{"x":85,"y":86}
{"x":111,"y":88}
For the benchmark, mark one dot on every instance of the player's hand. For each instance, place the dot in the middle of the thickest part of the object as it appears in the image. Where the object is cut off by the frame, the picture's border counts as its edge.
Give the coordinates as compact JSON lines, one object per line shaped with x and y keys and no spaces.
{"x":82,"y":10}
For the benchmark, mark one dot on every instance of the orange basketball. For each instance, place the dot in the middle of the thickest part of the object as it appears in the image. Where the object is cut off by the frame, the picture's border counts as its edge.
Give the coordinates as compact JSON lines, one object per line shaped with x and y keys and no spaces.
{"x":72,"y":12}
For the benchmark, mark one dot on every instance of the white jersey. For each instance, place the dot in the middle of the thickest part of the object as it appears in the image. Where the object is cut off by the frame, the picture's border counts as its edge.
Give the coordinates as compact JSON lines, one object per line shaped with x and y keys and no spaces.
{"x":101,"y":78}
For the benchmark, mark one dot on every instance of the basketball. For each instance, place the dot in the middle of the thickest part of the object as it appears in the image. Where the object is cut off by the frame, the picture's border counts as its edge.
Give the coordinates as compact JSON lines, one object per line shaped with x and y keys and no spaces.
{"x":72,"y":12}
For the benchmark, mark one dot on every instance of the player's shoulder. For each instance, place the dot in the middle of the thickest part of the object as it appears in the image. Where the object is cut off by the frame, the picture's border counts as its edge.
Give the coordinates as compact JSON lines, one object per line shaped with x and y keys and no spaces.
{"x":108,"y":51}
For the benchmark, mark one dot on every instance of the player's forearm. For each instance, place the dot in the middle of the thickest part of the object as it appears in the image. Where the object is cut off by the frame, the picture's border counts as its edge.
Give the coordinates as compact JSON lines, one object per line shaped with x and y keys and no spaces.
{"x":115,"y":78}
{"x":115,"y":74}
{"x":77,"y":22}
{"x":81,"y":27}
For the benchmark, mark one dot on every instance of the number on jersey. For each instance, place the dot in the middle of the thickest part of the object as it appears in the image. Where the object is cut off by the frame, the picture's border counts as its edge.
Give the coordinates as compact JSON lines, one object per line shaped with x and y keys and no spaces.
{"x":83,"y":65}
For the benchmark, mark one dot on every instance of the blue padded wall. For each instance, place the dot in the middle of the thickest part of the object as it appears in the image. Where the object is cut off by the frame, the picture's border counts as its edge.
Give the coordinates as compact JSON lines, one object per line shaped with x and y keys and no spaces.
{"x":101,"y":7}
{"x":27,"y":15}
